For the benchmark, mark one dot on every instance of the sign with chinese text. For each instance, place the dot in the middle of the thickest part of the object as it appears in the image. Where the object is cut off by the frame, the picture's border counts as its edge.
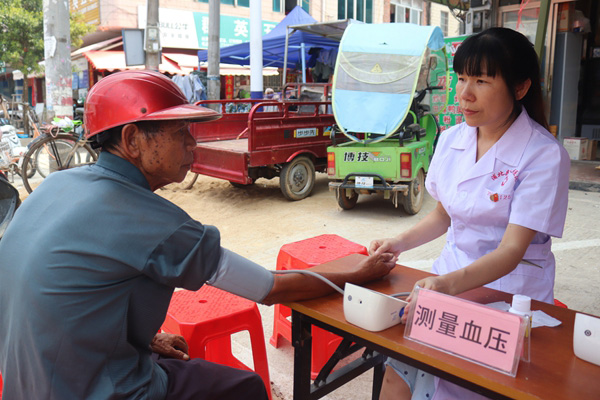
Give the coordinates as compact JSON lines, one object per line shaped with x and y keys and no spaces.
{"x":452,"y":115}
{"x":189,"y":29}
{"x":88,"y":8}
{"x":229,"y":83}
{"x":472,"y":331}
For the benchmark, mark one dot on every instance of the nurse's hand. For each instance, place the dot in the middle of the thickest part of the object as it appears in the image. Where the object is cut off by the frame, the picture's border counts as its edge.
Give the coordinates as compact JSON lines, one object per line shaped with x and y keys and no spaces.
{"x":388,"y":245}
{"x":169,"y":345}
{"x":437,"y":283}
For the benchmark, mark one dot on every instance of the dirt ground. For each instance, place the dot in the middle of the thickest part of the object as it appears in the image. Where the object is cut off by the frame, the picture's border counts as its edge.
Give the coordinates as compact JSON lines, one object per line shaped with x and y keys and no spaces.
{"x":255,"y":222}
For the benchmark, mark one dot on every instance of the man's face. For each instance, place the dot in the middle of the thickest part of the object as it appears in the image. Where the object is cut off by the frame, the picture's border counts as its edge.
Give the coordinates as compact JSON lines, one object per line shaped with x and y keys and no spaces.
{"x":167,"y":155}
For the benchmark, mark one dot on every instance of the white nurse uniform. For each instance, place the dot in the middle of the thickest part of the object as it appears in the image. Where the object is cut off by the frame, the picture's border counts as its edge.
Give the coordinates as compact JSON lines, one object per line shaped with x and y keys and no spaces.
{"x":522,"y":179}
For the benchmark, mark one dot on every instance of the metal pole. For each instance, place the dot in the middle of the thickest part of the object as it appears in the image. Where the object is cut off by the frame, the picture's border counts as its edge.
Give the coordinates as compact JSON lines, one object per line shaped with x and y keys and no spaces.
{"x":540,"y":34}
{"x":153,"y":55}
{"x":256,"y":49}
{"x":285,"y":58}
{"x":303,"y":57}
{"x":57,"y":58}
{"x":214,"y":51}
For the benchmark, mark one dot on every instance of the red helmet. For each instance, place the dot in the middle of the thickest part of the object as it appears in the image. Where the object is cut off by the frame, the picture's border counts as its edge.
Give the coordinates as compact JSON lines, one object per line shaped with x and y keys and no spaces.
{"x":138,"y":95}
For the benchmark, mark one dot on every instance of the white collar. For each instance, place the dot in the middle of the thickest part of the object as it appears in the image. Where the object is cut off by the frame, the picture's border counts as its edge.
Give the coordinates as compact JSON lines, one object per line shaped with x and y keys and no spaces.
{"x":510,"y":147}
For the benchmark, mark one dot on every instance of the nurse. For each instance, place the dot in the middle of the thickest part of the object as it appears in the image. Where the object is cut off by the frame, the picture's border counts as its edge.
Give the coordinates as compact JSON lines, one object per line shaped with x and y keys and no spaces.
{"x":501,"y":183}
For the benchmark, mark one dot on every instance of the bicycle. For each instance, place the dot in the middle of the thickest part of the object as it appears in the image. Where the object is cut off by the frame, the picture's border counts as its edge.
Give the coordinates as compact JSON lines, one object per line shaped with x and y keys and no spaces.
{"x":58,"y":149}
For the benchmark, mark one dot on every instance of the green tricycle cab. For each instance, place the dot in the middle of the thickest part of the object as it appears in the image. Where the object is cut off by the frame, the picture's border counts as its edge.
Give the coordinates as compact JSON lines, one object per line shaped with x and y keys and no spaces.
{"x":395,"y":167}
{"x":381,"y":79}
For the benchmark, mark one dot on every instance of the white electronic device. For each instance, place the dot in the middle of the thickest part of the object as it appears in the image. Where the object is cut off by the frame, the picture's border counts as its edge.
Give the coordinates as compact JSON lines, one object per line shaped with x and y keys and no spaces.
{"x":586,"y":338}
{"x":371,"y":310}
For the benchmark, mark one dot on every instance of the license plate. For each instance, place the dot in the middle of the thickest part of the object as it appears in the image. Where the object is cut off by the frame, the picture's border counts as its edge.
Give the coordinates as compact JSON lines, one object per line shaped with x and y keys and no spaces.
{"x":364,"y":181}
{"x":306,"y":132}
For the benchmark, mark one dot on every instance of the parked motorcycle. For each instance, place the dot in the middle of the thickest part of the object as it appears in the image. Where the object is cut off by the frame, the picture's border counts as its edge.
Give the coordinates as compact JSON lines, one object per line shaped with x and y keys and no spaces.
{"x":12,"y":151}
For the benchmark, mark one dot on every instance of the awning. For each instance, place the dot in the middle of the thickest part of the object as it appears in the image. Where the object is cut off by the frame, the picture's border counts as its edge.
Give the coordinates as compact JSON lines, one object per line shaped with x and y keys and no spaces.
{"x":115,"y":60}
{"x":183,"y":60}
{"x":233,"y":69}
{"x":103,"y":45}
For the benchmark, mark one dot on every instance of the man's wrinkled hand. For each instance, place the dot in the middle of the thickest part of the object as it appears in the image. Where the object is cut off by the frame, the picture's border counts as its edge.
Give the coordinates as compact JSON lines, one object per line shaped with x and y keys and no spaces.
{"x":170,"y":346}
{"x":377,"y":266}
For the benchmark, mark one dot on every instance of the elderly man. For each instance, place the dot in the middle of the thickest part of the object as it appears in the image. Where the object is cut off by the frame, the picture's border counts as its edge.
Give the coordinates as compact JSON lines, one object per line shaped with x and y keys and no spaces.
{"x":91,"y":259}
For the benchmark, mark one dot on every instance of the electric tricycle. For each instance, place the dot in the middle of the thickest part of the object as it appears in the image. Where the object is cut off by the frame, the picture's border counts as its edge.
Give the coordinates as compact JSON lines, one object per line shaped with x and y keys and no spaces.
{"x":381,"y":81}
{"x":286,"y":139}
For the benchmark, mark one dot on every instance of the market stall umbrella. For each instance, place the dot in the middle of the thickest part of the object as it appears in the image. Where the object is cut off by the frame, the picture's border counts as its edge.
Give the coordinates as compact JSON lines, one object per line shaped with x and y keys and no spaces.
{"x":274,"y":44}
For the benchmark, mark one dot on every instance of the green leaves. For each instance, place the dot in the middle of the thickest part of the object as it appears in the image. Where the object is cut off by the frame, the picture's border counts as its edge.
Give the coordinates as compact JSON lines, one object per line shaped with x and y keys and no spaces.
{"x":22,"y":33}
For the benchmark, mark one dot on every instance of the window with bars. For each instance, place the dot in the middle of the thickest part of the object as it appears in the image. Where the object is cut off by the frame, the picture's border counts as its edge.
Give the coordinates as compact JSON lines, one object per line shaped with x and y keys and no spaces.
{"x":444,"y":22}
{"x":410,"y":11}
{"x":288,"y":5}
{"x":306,"y":5}
{"x":239,"y":3}
{"x":361,"y":10}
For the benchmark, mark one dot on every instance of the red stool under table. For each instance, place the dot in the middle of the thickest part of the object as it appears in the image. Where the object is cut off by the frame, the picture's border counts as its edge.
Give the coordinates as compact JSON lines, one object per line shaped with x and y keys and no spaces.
{"x":301,"y":255}
{"x":559,"y":303}
{"x":208,"y":317}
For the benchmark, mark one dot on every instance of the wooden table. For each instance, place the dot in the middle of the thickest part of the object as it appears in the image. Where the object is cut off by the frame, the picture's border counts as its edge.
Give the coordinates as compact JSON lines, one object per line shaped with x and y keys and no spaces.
{"x":553,"y":373}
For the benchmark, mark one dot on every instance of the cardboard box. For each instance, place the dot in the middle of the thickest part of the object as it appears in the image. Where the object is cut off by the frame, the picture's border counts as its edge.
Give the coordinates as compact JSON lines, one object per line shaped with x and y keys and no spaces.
{"x":566,"y":14}
{"x":593,"y":149}
{"x":578,"y":148}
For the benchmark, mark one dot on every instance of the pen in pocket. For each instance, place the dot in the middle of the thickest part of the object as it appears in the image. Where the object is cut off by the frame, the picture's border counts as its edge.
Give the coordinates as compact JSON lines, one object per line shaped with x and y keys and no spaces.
{"x":523,"y":261}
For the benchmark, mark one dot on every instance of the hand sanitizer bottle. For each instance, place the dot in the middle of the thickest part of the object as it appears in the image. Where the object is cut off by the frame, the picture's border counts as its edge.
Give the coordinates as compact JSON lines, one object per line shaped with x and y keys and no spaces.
{"x":521,"y":305}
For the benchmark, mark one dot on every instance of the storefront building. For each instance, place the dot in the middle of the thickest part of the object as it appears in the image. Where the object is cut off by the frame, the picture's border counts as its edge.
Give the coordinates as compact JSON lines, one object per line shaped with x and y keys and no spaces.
{"x":570,"y":57}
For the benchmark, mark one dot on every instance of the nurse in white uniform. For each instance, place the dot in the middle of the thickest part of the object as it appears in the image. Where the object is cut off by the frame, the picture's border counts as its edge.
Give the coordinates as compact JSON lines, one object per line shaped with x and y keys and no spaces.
{"x":501,"y":182}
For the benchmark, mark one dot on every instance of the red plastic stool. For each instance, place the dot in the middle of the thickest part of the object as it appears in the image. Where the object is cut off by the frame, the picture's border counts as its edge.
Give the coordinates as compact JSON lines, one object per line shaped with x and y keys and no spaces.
{"x":559,"y":303}
{"x":301,"y":255}
{"x":208,"y":317}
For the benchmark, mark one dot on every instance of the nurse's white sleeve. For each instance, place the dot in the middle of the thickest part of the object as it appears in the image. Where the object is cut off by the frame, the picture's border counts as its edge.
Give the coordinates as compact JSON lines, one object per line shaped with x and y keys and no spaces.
{"x":240,"y":276}
{"x":540,"y":201}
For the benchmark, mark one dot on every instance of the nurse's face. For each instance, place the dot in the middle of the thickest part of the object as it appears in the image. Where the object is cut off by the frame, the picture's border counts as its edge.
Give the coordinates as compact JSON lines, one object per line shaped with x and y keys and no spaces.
{"x":486,"y":102}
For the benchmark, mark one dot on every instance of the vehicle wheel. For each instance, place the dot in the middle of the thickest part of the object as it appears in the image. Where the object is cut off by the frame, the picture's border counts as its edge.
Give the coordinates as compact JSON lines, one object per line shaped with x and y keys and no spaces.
{"x":297,"y":178}
{"x":347,"y":203}
{"x":413,"y":201}
{"x":52,"y":154}
{"x":29,"y":169}
{"x":189,"y":181}
{"x":240,"y":185}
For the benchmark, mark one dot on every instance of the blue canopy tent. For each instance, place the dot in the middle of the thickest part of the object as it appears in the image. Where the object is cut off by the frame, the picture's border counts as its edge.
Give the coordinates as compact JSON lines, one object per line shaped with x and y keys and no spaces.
{"x":299,"y":43}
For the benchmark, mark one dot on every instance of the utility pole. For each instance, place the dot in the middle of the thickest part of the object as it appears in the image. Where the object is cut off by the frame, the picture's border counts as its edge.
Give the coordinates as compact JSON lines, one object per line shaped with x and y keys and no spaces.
{"x":152,"y":36}
{"x":214,"y":51}
{"x":256,"y":50}
{"x":57,"y":58}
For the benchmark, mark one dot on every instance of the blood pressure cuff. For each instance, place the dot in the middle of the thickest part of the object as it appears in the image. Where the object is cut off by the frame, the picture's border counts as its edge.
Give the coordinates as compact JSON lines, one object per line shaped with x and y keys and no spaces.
{"x":240,"y":276}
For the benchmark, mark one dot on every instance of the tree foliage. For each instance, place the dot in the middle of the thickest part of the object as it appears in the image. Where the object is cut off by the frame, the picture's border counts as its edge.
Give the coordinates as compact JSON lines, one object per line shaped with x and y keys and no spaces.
{"x":79,"y":29}
{"x":22,"y":33}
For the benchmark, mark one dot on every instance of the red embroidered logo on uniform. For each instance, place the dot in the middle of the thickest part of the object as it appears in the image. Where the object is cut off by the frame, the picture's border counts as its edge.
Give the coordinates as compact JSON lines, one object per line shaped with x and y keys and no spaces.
{"x":494,"y":197}
{"x":505,"y":174}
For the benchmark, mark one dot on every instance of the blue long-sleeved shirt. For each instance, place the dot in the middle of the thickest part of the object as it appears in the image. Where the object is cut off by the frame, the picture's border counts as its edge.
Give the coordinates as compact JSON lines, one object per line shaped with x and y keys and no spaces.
{"x":87,"y":269}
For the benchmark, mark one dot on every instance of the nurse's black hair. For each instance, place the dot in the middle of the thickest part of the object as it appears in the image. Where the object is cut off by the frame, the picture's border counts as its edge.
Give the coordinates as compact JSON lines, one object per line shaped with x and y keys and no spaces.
{"x":509,"y":54}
